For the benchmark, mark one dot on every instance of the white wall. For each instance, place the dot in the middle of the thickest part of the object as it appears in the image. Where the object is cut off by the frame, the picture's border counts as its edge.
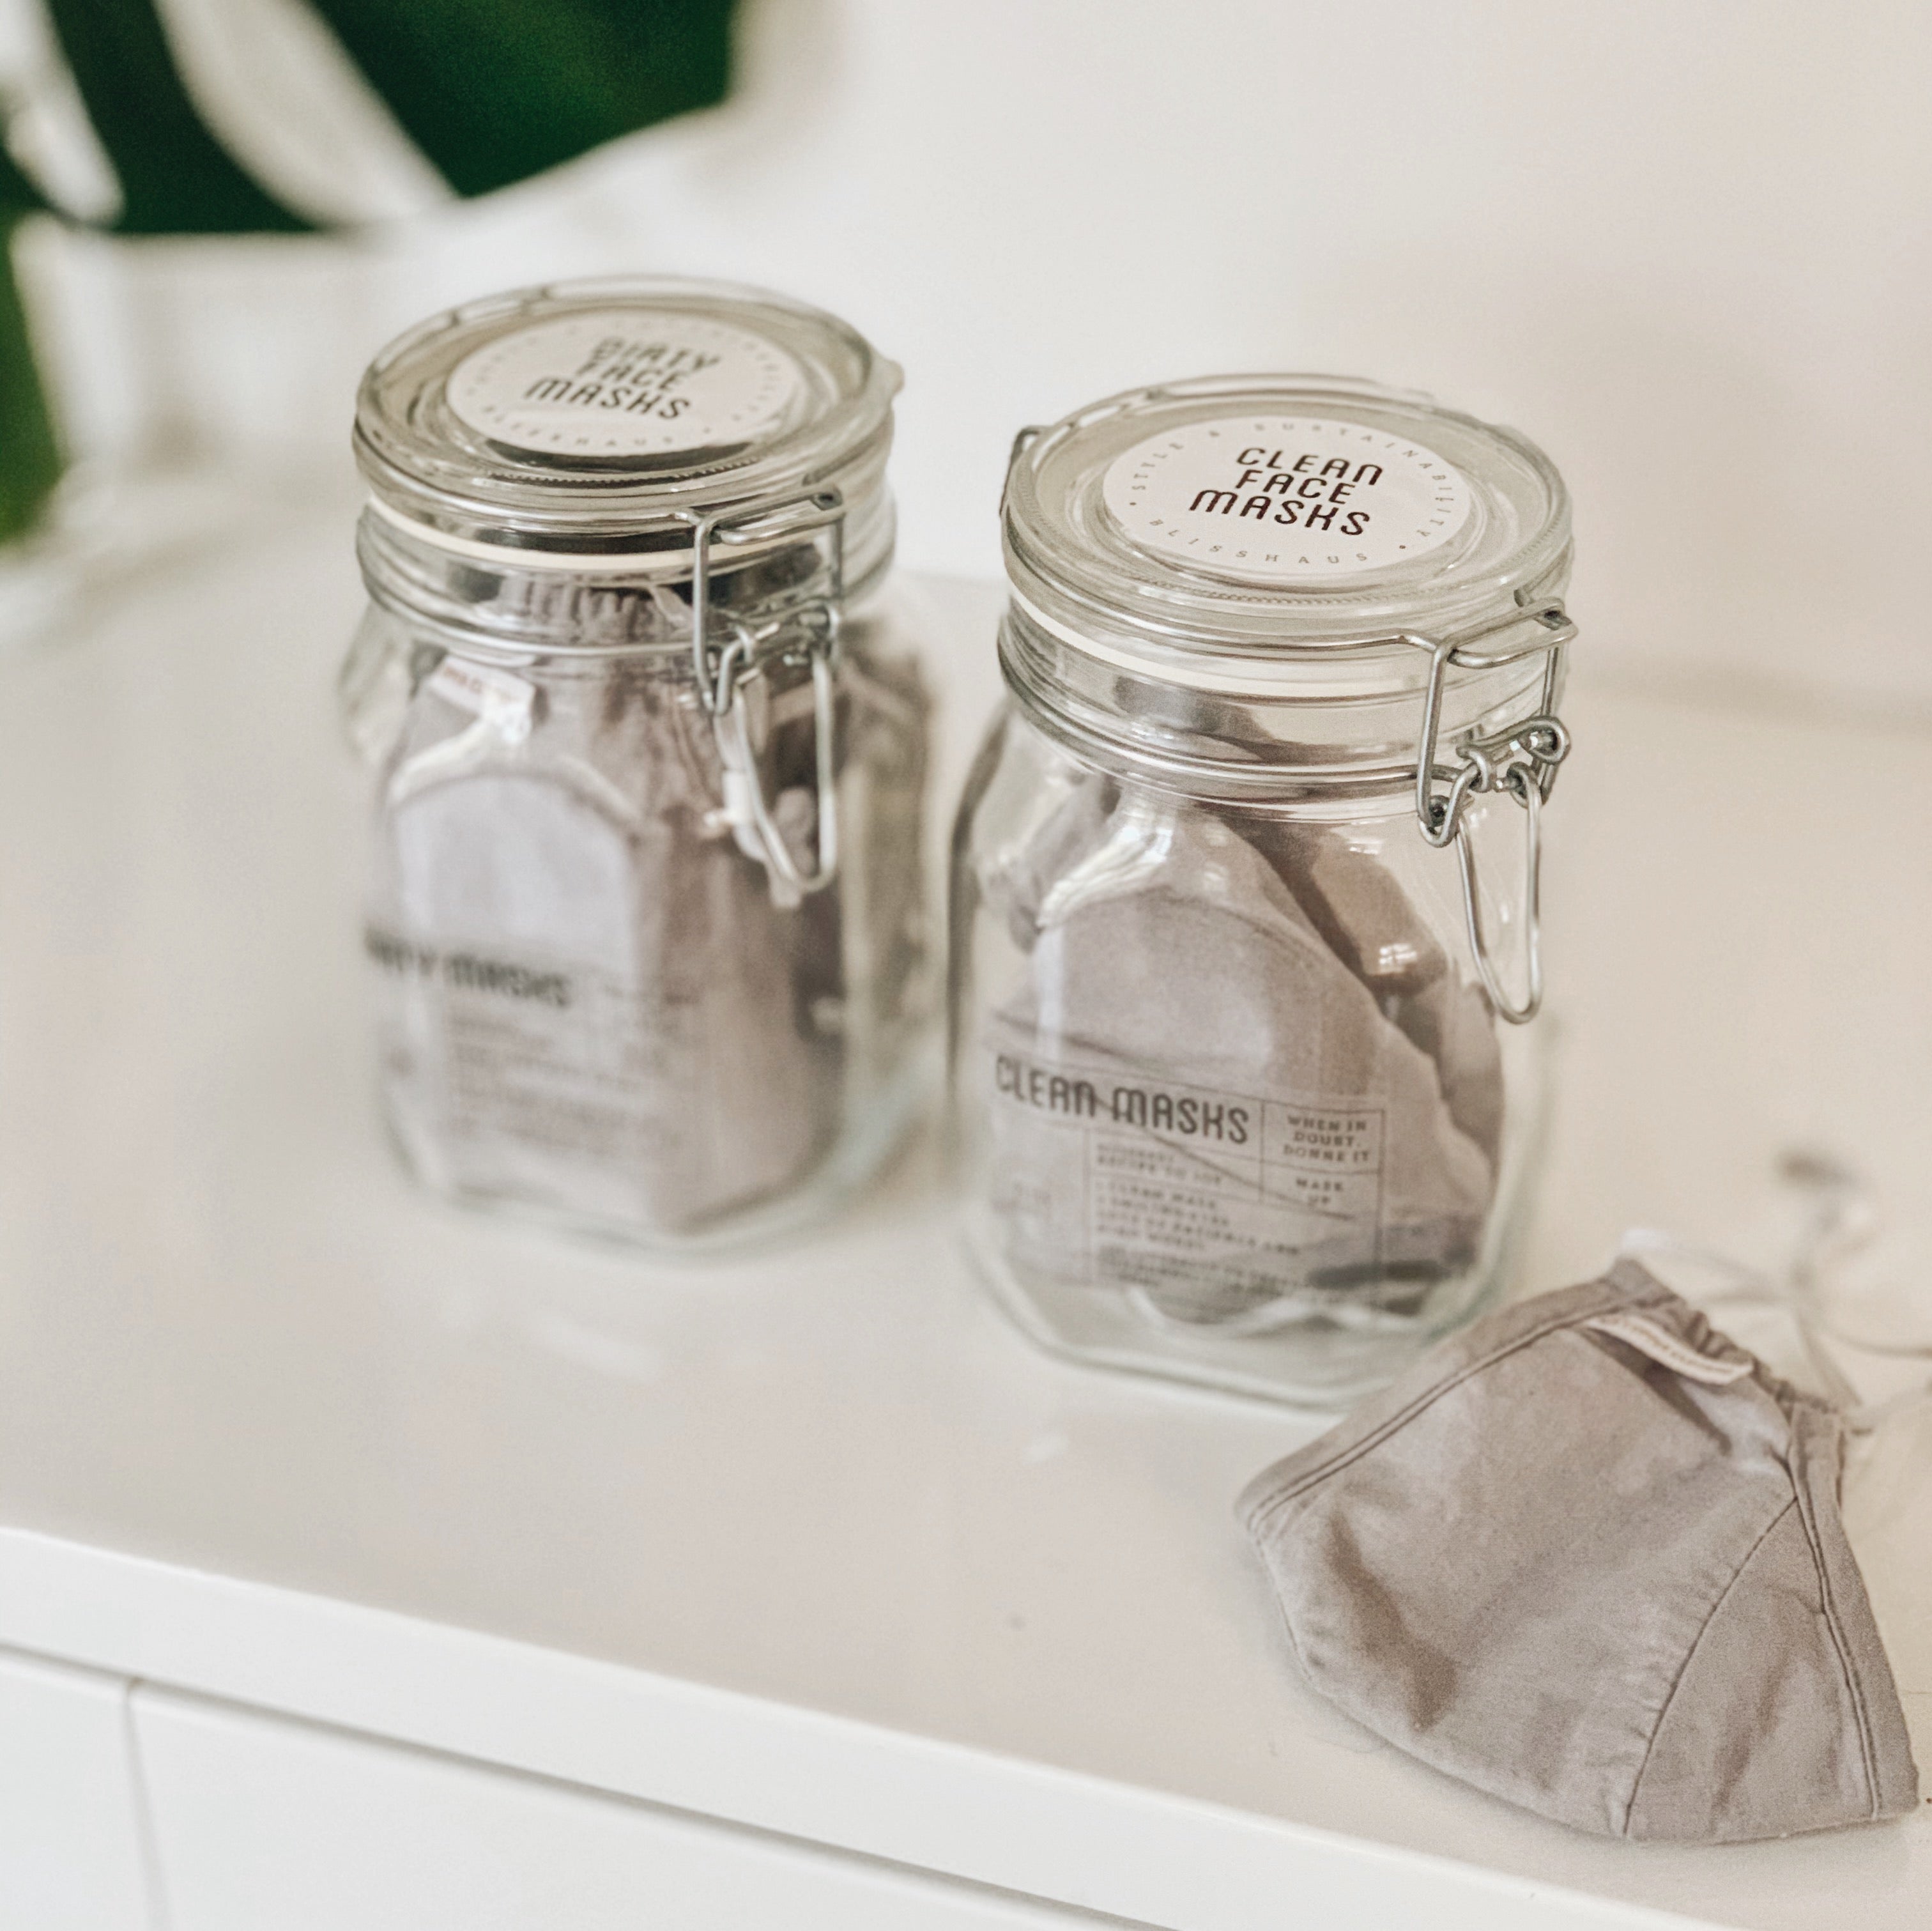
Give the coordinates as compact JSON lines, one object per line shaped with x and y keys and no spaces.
{"x":1683,"y":243}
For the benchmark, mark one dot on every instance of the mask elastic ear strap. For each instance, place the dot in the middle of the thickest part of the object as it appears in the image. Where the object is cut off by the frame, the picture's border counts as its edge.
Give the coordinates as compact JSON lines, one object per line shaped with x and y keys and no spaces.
{"x":1749,"y":1286}
{"x":1874,"y":1416}
{"x":1842,"y":1222}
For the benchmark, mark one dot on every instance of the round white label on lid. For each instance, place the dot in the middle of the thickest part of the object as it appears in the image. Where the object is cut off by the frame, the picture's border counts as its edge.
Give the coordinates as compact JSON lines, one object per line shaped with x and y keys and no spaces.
{"x":1280,"y":499}
{"x":622,"y":382}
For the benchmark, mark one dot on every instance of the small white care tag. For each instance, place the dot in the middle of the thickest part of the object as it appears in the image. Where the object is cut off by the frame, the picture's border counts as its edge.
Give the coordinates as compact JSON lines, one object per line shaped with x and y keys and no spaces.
{"x":501,"y":697}
{"x":1670,"y":1350}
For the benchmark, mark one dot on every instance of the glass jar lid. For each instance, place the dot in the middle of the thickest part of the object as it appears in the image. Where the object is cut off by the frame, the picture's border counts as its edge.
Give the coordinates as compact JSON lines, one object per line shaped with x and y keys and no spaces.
{"x":1287,"y":588}
{"x":1243,"y":529}
{"x":605,"y":418}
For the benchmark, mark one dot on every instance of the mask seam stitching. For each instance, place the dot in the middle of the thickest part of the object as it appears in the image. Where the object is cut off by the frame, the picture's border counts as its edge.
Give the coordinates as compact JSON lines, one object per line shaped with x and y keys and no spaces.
{"x":1691,"y":1654}
{"x":1868,"y":1757}
{"x":1419,"y":1405}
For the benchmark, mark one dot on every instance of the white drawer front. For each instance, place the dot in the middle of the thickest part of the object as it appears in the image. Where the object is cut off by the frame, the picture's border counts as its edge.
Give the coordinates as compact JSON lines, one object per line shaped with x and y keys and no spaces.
{"x":263,"y":1823}
{"x":69,"y":1847}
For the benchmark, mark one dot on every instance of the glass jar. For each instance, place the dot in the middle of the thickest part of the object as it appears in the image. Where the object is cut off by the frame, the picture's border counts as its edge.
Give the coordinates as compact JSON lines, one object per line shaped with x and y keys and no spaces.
{"x":646,"y":928}
{"x":1236,"y":1084}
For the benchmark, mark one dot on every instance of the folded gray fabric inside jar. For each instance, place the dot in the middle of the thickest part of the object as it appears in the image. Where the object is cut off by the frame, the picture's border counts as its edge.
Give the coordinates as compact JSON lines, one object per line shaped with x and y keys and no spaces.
{"x":1174,"y":947}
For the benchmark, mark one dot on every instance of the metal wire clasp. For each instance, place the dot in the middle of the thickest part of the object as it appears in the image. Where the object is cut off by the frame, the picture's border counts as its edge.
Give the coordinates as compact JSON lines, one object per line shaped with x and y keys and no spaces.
{"x":725,"y":667}
{"x":1522,"y":761}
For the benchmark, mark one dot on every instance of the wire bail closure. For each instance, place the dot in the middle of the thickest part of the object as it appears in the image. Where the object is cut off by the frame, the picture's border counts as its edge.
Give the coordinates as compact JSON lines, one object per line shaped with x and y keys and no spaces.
{"x":1522,"y":761}
{"x":724,"y":671}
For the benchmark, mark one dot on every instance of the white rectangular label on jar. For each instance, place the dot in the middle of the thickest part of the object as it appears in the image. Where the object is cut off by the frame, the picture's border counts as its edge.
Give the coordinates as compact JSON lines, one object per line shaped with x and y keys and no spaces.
{"x":502,"y":697}
{"x":552,"y":1078}
{"x":1207,"y":1200}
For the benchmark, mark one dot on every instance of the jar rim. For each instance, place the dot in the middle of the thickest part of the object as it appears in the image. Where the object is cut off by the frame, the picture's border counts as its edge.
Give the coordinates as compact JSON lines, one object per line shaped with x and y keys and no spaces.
{"x":590,"y":419}
{"x":1458,"y":524}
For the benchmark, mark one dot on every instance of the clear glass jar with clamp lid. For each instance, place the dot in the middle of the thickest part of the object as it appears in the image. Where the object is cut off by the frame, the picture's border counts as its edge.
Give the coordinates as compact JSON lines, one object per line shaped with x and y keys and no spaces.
{"x":646,"y":921}
{"x":1243,"y":1080}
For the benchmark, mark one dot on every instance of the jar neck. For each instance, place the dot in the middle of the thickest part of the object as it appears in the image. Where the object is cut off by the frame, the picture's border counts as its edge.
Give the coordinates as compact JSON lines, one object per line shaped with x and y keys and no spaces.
{"x":1334,"y":725}
{"x":593,"y":606}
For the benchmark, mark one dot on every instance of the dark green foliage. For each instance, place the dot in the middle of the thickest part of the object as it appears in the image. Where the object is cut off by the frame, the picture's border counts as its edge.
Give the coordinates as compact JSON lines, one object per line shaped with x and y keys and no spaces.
{"x":30,"y":457}
{"x":176,"y":178}
{"x":495,"y":90}
{"x":492,"y":91}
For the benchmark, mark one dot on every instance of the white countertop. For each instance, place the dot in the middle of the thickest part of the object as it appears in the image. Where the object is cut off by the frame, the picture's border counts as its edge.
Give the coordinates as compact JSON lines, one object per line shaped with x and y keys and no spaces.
{"x":274,"y":1427}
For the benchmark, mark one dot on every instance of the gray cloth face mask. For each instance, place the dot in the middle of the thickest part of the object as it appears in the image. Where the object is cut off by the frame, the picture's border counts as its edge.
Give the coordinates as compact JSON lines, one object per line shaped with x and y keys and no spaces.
{"x":1587,"y":1556}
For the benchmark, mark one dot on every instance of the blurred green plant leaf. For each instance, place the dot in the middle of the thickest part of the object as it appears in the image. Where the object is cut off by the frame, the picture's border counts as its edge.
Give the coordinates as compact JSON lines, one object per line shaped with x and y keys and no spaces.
{"x":18,"y":195}
{"x":30,"y":453}
{"x":176,"y":178}
{"x":495,"y":90}
{"x":492,"y":91}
